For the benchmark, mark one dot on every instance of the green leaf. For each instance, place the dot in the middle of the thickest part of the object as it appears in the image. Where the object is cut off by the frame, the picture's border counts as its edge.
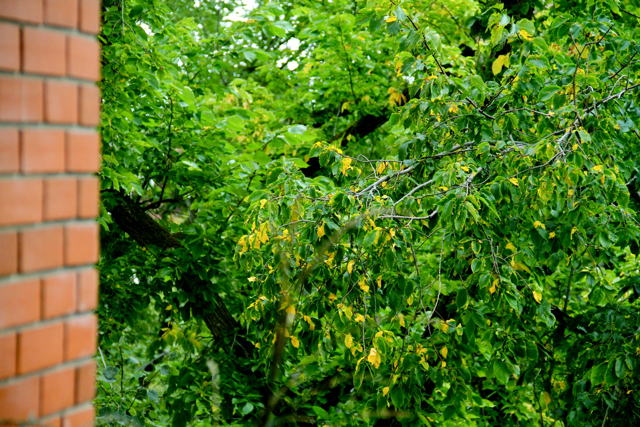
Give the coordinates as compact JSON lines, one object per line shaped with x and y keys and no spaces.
{"x":598,"y":373}
{"x":547,"y":92}
{"x":501,"y":371}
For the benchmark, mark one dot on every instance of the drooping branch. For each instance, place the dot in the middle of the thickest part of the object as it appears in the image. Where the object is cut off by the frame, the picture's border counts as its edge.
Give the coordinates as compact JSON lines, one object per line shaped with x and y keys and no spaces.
{"x":133,"y":219}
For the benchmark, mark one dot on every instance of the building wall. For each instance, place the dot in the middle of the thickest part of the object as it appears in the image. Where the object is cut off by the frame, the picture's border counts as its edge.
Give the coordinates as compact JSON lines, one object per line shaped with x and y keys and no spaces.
{"x":49,"y":155}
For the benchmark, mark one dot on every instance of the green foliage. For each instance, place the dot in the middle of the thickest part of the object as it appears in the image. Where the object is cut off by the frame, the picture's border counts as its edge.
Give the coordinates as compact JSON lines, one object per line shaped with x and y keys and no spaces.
{"x":386,"y":213}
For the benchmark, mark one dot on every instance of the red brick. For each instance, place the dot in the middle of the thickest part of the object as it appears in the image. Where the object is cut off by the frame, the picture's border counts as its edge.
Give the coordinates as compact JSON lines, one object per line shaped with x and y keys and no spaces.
{"x":80,"y":337}
{"x":90,"y":16}
{"x":84,"y":58}
{"x":42,"y":151}
{"x":41,"y":249}
{"x":20,"y":99}
{"x":60,"y":198}
{"x":60,"y":102}
{"x":43,"y":52}
{"x":9,"y":47}
{"x":61,"y":13}
{"x":40,"y":347}
{"x":8,"y":350}
{"x":9,"y":149}
{"x":20,"y":201}
{"x":85,"y":382}
{"x":58,"y":295}
{"x":55,"y":421}
{"x":8,"y":253}
{"x":57,"y":391}
{"x":22,"y":10}
{"x":88,"y":193}
{"x":19,"y":303}
{"x":87,"y":289}
{"x":81,"y":243}
{"x":83,"y":152}
{"x":90,"y":105}
{"x":19,"y":401}
{"x":80,"y":418}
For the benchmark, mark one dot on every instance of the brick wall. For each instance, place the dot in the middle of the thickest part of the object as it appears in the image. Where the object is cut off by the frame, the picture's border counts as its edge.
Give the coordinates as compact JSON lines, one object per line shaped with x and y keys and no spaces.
{"x":49,"y":154}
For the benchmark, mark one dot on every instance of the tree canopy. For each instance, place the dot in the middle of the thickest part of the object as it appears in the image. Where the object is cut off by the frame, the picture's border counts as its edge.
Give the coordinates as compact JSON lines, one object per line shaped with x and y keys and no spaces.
{"x":370,"y":213}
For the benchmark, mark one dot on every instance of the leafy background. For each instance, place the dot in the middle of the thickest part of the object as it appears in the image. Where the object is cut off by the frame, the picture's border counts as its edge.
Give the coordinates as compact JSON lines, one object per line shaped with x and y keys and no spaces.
{"x":369,"y":213}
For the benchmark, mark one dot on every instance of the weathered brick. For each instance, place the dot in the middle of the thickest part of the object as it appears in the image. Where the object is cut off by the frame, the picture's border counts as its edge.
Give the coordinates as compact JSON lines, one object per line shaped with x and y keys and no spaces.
{"x":40,"y":347}
{"x":9,"y":47}
{"x":19,"y":400}
{"x":60,"y":102}
{"x":8,"y":253}
{"x":8,"y":352}
{"x":22,"y":10}
{"x":19,"y":303}
{"x":58,"y":295}
{"x":41,"y":249}
{"x":60,"y":198}
{"x":85,"y":382}
{"x":81,"y":244}
{"x":84,"y":58}
{"x":83,"y":152}
{"x":43,"y":52}
{"x":80,"y":337}
{"x":87,"y":289}
{"x":20,"y":201}
{"x":89,"y":105}
{"x":61,"y":13}
{"x":57,"y":391}
{"x":21,"y":99}
{"x":88,"y":193}
{"x":9,"y":150}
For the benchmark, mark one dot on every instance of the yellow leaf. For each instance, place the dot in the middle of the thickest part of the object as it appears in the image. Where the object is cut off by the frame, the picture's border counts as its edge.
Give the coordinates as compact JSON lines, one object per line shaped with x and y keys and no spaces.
{"x":514,"y":181}
{"x":410,"y":299}
{"x":332,"y":297}
{"x":359,"y":318}
{"x":443,"y":188}
{"x":345,"y":105}
{"x":169,"y":307}
{"x":262,"y":203}
{"x":552,"y":234}
{"x":391,"y":19}
{"x":348,"y":341}
{"x":379,"y":281}
{"x":374,"y":357}
{"x":537,"y":224}
{"x":346,"y":165}
{"x":252,"y":279}
{"x":537,"y":296}
{"x":464,"y":168}
{"x":597,"y":168}
{"x":525,"y":35}
{"x":401,"y":320}
{"x":518,"y":266}
{"x":385,"y":391}
{"x":295,"y":342}
{"x":444,"y":364}
{"x":445,"y":327}
{"x":262,"y":234}
{"x":307,"y":319}
{"x":350,"y":266}
{"x":571,"y":192}
{"x":546,"y":397}
{"x":498,"y":64}
{"x":291,"y":310}
{"x":573,"y":230}
{"x":321,"y":231}
{"x":510,"y":246}
{"x":366,"y":98}
{"x":363,"y":285}
{"x":381,"y":167}
{"x":492,"y":289}
{"x":444,"y":352}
